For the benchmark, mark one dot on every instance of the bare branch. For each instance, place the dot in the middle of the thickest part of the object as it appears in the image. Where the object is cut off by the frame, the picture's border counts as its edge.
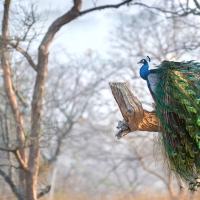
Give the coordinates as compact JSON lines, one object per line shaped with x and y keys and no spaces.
{"x":11,"y":184}
{"x":142,"y":161}
{"x":19,"y":96}
{"x":23,"y":165}
{"x":197,"y":4}
{"x":7,"y":149}
{"x":16,"y":152}
{"x":181,"y":12}
{"x":5,"y":18}
{"x":105,"y":7}
{"x":167,"y":183}
{"x":25,"y":54}
{"x":10,"y":165}
{"x":135,"y":117}
{"x":58,"y":23}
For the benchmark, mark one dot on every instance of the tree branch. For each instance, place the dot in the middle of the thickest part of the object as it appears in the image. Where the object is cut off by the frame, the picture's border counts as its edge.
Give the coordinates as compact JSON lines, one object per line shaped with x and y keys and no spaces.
{"x":197,"y":4}
{"x":16,"y":152}
{"x":19,"y":96}
{"x":181,"y":12}
{"x":106,"y":6}
{"x":11,"y":184}
{"x":135,"y":117}
{"x":23,"y":165}
{"x":25,"y":54}
{"x":142,"y":161}
{"x":7,"y":149}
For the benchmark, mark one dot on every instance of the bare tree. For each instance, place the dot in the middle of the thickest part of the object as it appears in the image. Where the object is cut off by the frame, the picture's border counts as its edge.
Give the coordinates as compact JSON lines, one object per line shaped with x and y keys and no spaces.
{"x":27,"y":149}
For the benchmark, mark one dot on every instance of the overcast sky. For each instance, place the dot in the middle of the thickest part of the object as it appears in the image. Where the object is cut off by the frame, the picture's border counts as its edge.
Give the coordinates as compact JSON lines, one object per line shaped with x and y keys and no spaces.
{"x":87,"y":32}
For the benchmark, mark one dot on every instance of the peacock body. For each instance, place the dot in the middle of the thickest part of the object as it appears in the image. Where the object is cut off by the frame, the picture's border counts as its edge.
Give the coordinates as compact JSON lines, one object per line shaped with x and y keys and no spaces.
{"x":175,"y":87}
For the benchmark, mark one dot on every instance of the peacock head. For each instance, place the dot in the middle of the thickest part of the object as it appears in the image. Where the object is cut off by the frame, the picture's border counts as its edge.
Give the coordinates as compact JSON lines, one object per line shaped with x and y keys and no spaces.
{"x":144,"y":70}
{"x":144,"y":61}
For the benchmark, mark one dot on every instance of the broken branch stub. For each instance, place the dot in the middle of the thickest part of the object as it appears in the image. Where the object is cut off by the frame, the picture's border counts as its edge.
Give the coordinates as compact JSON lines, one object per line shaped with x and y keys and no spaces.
{"x":135,"y":117}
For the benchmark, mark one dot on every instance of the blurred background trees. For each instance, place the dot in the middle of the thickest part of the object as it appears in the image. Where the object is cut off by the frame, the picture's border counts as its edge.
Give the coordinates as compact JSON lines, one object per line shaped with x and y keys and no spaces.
{"x":80,"y":157}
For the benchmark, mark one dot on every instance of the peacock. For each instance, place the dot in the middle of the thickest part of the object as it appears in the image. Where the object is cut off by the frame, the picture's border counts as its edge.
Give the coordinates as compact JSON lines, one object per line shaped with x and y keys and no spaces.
{"x":175,"y":88}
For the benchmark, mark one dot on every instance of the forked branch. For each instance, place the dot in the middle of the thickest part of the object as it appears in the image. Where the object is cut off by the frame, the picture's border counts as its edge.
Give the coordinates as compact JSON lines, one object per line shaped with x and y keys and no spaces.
{"x":17,"y":154}
{"x":135,"y":117}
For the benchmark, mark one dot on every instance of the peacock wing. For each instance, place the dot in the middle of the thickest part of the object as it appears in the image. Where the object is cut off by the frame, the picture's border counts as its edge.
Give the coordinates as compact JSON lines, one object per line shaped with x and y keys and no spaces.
{"x":152,"y":81}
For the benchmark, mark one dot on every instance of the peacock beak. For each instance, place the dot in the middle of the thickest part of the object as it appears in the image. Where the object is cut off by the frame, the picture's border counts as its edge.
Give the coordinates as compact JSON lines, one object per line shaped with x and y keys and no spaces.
{"x":139,"y":62}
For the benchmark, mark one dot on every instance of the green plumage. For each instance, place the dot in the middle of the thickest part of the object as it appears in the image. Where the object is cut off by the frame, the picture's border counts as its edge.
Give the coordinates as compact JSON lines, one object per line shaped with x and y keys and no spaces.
{"x":177,"y":97}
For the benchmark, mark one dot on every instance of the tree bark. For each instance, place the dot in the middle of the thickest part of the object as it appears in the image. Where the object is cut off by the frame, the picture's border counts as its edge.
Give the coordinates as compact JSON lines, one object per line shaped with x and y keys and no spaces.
{"x":38,"y":94}
{"x":135,"y":117}
{"x":11,"y":94}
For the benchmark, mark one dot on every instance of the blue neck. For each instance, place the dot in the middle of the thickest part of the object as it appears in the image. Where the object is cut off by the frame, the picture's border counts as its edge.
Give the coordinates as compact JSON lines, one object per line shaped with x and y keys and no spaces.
{"x":144,"y":71}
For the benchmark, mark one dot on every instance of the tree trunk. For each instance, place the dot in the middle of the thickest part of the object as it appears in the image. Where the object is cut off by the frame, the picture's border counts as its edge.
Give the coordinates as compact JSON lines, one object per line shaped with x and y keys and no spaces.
{"x":10,"y":93}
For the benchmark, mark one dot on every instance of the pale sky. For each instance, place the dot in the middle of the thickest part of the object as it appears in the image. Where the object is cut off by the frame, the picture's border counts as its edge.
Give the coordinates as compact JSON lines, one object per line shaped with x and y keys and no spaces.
{"x":90,"y":31}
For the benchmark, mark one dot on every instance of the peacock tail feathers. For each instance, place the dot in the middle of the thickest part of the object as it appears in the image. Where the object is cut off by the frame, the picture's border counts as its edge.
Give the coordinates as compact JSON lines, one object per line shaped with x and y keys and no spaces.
{"x":177,"y":96}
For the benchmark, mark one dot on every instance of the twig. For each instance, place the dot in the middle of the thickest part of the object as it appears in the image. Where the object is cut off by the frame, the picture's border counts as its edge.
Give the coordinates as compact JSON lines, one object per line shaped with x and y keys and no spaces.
{"x":182,"y":12}
{"x":15,"y":151}
{"x":105,"y":7}
{"x":25,"y":54}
